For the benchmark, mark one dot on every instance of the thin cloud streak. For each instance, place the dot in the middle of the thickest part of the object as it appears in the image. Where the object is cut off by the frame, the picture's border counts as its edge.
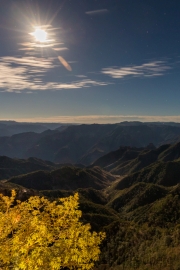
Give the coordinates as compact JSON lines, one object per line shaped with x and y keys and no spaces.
{"x":100,"y":119}
{"x":19,"y":74}
{"x":96,"y":12}
{"x":150,"y":69}
{"x":29,"y":61}
{"x":60,"y":49}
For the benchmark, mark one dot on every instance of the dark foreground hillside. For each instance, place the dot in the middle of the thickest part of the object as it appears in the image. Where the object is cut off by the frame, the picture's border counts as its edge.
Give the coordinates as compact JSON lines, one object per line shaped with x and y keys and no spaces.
{"x":142,"y":232}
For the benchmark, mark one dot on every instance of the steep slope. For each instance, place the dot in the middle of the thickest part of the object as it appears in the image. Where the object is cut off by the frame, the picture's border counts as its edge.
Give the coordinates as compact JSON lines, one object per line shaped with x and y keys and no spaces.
{"x":127,"y":160}
{"x":65,"y":178}
{"x":171,"y":153}
{"x":161,"y":173}
{"x":143,"y":159}
{"x":118,"y":157}
{"x":148,"y":203}
{"x":12,"y":167}
{"x":148,"y":235}
{"x":137,"y":195}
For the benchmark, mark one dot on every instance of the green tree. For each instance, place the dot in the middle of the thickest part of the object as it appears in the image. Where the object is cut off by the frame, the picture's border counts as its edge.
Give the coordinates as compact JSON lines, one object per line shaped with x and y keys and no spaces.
{"x":39,"y":234}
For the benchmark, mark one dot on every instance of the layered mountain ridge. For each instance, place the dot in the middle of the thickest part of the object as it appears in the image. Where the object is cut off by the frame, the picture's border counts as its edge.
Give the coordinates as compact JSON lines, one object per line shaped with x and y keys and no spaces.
{"x":86,"y":143}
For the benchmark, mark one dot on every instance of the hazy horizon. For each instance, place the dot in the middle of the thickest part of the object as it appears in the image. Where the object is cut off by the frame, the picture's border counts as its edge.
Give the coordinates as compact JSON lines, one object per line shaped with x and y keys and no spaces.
{"x":97,"y":119}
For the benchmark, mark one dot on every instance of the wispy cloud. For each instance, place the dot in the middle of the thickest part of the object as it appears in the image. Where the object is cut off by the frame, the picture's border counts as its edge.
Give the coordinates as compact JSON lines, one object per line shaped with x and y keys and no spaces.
{"x":150,"y":69}
{"x":44,"y":63}
{"x":61,"y":49}
{"x":28,"y":73}
{"x":96,"y":12}
{"x":100,"y":119}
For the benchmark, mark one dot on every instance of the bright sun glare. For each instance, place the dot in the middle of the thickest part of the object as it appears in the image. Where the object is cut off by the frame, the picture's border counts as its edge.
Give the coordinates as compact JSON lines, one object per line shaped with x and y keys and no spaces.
{"x":40,"y":35}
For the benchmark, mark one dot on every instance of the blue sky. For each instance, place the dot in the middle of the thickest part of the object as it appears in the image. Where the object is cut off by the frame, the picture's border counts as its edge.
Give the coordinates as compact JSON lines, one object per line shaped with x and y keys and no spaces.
{"x":124,"y":56}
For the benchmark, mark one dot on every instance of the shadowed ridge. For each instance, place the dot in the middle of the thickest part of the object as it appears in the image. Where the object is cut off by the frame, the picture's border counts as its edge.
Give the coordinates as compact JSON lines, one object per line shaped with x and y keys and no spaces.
{"x":66,"y":178}
{"x":161,"y":173}
{"x":13,"y":166}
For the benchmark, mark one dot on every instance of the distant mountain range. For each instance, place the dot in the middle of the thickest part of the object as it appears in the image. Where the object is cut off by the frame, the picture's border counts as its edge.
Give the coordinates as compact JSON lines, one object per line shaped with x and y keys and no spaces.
{"x":9,"y":128}
{"x":86,"y":143}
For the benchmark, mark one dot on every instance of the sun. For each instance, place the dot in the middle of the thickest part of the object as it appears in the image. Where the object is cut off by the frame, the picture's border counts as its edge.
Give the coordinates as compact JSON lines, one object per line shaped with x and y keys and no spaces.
{"x":40,"y":35}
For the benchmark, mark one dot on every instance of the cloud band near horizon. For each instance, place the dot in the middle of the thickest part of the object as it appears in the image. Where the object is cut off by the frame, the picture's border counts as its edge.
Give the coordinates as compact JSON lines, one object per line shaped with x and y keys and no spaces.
{"x":99,"y":119}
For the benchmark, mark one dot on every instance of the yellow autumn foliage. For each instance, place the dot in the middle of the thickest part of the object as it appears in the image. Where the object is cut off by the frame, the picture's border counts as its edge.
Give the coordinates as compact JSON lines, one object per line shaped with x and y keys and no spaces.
{"x":39,"y":234}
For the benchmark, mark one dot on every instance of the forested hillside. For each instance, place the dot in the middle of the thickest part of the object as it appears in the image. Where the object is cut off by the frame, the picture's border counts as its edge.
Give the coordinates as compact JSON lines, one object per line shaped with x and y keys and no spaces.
{"x":139,"y":210}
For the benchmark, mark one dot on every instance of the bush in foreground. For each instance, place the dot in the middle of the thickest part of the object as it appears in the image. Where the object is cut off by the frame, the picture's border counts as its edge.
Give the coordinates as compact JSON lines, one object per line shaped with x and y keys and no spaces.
{"x":39,"y":234}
